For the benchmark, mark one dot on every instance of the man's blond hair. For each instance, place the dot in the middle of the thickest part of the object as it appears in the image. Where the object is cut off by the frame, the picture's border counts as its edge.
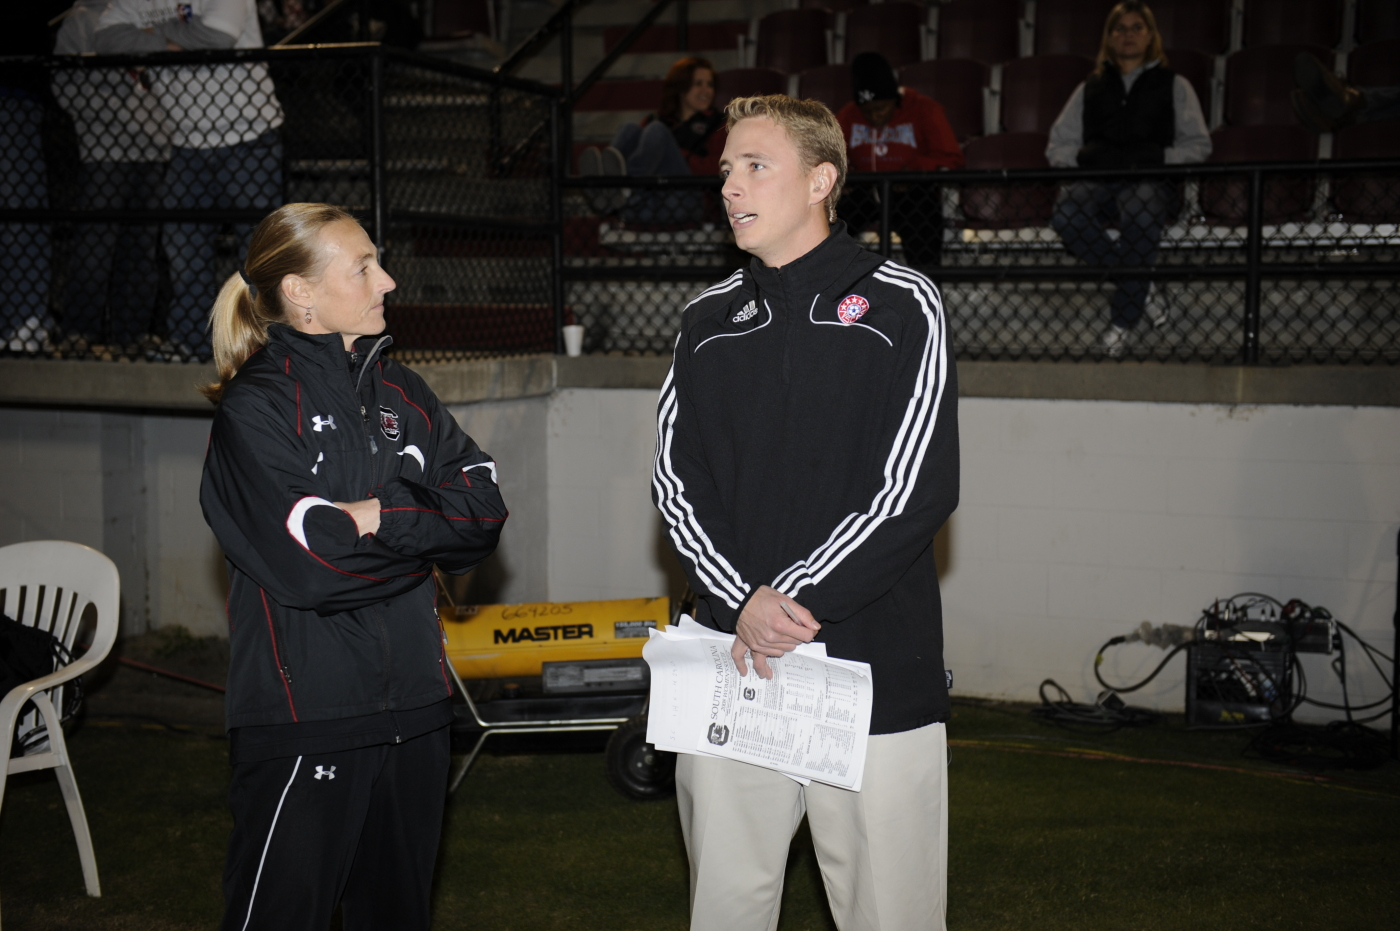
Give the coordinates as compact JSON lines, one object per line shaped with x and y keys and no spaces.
{"x":809,"y":124}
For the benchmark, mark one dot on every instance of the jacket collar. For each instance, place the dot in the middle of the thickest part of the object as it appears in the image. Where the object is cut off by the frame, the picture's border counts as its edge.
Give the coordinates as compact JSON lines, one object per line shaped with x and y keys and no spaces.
{"x":838,"y":261}
{"x":813,"y":271}
{"x":326,"y":350}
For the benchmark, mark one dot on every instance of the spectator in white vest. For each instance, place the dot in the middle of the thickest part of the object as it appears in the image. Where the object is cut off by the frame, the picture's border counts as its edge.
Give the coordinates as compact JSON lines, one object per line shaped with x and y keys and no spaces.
{"x":124,"y":146}
{"x":226,"y":152}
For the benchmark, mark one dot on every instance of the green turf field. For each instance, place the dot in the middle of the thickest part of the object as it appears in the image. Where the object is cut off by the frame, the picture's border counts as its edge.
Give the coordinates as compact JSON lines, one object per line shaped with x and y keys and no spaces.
{"x":1050,"y":830}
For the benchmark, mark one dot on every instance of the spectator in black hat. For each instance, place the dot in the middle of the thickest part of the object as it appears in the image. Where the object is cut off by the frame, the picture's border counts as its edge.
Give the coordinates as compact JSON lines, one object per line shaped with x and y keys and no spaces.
{"x":893,"y":128}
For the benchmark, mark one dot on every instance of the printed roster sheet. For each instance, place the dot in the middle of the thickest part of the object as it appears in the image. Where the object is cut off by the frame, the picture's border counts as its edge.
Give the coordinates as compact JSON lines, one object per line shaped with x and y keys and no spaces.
{"x":811,"y":721}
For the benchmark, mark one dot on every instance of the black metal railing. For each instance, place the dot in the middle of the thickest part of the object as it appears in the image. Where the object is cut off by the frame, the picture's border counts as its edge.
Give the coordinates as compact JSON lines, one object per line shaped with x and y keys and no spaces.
{"x":132,"y":183}
{"x":116,"y":226}
{"x":1223,"y":263}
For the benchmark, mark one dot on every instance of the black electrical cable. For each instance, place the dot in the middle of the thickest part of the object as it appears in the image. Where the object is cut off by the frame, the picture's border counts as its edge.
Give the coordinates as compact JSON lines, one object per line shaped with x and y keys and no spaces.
{"x":1098,"y":661}
{"x":1098,"y":718}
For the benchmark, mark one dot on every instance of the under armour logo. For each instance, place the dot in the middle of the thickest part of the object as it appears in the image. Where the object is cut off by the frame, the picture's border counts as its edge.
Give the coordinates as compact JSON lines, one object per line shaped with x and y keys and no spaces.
{"x":750,"y":310}
{"x":323,"y":771}
{"x":318,"y":422}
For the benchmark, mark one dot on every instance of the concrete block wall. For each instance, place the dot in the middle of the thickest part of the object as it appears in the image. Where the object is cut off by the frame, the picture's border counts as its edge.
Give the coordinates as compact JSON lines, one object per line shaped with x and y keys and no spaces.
{"x":1081,"y":519}
{"x":125,"y":484}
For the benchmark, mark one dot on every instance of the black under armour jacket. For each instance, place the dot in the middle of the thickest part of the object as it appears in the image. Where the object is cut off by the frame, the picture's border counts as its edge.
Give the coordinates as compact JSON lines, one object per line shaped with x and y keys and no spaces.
{"x":808,"y":440}
{"x":324,"y":623}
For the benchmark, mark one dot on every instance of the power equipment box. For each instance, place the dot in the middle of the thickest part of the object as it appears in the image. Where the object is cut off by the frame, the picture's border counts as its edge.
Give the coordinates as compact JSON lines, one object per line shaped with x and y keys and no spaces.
{"x":1234,"y":684}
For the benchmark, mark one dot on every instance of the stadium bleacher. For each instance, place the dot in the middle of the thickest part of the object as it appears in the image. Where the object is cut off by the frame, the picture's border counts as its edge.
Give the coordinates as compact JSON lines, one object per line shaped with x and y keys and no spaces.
{"x":1004,"y":66}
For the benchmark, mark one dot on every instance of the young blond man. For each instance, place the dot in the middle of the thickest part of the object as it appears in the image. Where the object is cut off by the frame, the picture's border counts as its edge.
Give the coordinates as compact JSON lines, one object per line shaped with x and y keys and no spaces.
{"x":807,"y":454}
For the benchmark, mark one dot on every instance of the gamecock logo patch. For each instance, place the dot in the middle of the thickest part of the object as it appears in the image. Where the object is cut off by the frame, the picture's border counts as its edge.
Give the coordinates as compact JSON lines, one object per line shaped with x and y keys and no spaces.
{"x":389,"y":423}
{"x":852,"y":308}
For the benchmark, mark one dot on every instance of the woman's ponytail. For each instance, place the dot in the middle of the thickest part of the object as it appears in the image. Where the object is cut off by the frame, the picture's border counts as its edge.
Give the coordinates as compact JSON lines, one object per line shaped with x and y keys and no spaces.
{"x":285,"y":243}
{"x":237,"y":329}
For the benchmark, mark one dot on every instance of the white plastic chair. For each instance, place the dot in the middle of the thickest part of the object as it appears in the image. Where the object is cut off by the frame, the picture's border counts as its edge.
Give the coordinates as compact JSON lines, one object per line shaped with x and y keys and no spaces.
{"x":49,"y":584}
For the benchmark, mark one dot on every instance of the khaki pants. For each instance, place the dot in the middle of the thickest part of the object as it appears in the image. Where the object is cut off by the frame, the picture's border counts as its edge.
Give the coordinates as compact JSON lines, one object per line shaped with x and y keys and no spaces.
{"x":883,"y":851}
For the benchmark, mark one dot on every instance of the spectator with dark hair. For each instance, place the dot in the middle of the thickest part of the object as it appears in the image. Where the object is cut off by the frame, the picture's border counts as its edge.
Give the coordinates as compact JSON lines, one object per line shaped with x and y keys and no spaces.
{"x":893,"y":128}
{"x":1132,"y":112}
{"x":685,"y":136}
{"x":226,"y":151}
{"x":124,"y":146}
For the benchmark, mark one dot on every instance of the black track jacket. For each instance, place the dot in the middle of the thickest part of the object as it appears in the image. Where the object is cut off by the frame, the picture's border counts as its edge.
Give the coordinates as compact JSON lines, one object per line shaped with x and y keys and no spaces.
{"x":323,"y":623}
{"x":808,"y":440}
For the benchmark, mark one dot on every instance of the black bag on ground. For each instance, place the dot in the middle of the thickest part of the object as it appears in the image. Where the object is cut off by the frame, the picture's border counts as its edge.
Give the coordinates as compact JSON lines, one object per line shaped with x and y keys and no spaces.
{"x":26,"y":653}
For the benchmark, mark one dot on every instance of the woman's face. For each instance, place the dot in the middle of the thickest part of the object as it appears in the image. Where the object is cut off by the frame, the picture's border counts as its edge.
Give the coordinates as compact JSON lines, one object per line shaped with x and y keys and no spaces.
{"x":702,"y":91}
{"x":348,"y":297}
{"x":1129,"y":38}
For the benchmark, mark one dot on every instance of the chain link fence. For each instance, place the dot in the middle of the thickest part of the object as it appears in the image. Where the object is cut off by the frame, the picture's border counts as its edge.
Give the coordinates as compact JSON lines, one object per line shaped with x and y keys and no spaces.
{"x":129,"y":188}
{"x":1220,"y":264}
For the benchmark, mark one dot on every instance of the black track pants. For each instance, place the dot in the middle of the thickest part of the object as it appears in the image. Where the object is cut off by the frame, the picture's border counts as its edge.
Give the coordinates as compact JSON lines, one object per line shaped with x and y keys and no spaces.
{"x":358,"y":827}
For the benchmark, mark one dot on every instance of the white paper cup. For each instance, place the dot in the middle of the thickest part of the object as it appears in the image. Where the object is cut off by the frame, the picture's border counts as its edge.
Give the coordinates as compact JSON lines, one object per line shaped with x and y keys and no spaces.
{"x":573,"y":339}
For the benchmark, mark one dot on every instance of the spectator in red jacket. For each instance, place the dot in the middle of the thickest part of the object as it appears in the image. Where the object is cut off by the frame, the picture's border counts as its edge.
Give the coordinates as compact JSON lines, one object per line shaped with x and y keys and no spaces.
{"x":893,"y":128}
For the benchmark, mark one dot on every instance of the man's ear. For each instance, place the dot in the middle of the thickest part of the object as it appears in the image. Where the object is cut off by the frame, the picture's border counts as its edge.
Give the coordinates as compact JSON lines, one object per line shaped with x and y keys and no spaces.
{"x":296,"y":291}
{"x":823,"y":180}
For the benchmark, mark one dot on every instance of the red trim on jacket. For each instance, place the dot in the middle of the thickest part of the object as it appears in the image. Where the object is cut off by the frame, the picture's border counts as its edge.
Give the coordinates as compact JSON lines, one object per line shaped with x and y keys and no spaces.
{"x":489,"y":520}
{"x":405,"y":396}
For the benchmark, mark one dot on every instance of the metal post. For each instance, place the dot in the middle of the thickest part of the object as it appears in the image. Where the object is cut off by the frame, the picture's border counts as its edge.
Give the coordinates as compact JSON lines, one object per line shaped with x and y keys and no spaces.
{"x":683,"y":25}
{"x":1395,"y":663}
{"x":363,"y":17}
{"x":376,"y":154}
{"x":565,"y":139}
{"x":556,"y":218}
{"x":1254,"y":248}
{"x":886,"y":246}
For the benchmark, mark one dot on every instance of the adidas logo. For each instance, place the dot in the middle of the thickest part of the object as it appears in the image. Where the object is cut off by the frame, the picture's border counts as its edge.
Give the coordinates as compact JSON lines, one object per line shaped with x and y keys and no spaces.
{"x":748,"y":313}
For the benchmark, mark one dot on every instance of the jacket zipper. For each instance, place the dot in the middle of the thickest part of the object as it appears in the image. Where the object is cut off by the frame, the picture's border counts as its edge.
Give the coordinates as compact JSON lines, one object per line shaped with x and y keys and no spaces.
{"x":273,"y":632}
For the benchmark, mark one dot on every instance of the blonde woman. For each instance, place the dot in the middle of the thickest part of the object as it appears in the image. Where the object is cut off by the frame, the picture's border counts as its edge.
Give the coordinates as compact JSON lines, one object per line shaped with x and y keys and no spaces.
{"x":334,"y":481}
{"x":1133,"y":112}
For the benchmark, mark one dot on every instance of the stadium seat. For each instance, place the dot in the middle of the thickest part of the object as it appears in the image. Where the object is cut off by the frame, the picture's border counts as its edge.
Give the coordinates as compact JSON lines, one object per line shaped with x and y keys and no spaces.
{"x":1034,"y":90}
{"x":457,"y":19}
{"x":1375,"y":64}
{"x":956,"y":83}
{"x":747,"y":82}
{"x":1007,"y":206}
{"x":1199,"y":25}
{"x":1226,"y":199}
{"x":983,"y":30}
{"x":1377,"y":19}
{"x":1259,"y":84}
{"x":1070,"y":27}
{"x":621,"y":95}
{"x":892,"y":29}
{"x":700,"y":37}
{"x":792,"y":41}
{"x":1197,"y":68}
{"x":1293,"y":22}
{"x":831,"y":6}
{"x":1368,"y":198}
{"x":831,"y":84}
